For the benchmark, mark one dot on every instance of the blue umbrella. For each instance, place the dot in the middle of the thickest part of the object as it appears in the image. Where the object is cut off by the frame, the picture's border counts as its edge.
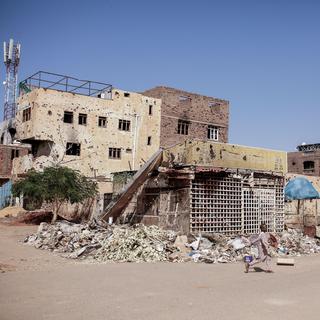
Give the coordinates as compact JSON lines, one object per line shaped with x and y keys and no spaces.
{"x":300,"y":188}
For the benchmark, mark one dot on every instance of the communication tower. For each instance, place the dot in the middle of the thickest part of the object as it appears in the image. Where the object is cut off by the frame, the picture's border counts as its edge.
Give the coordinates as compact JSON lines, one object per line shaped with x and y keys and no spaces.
{"x":11,"y":55}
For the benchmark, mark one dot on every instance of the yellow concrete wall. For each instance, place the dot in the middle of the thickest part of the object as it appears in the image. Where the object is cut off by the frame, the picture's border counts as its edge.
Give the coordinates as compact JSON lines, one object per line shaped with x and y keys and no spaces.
{"x":46,"y":123}
{"x":223,"y":155}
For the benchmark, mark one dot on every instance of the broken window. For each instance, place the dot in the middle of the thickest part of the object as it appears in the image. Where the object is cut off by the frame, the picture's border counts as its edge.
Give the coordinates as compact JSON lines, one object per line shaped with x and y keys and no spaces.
{"x":26,"y":114}
{"x":149,"y":141}
{"x":213,"y":133}
{"x":150,"y":109}
{"x":183,"y":127}
{"x":127,"y":94}
{"x":102,"y":122}
{"x":68,"y":117}
{"x":124,"y":125}
{"x":308,"y":166}
{"x":14,"y":153}
{"x":82,"y":118}
{"x":114,"y":153}
{"x":73,"y":149}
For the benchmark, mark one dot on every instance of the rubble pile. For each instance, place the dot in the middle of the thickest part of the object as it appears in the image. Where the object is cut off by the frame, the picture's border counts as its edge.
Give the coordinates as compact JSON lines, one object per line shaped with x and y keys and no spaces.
{"x":104,"y":243}
{"x":135,"y":244}
{"x":294,"y":243}
{"x":140,"y":243}
{"x":219,"y":249}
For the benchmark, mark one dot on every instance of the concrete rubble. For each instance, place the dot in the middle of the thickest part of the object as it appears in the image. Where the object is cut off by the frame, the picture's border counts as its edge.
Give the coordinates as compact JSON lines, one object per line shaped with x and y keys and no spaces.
{"x":101,"y":242}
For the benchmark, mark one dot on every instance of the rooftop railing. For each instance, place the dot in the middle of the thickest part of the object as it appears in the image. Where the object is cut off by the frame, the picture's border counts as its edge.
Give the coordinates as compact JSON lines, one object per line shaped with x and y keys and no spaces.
{"x":48,"y":80}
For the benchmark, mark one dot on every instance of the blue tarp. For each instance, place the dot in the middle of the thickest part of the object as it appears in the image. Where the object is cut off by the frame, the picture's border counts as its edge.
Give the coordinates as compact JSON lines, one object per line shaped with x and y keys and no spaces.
{"x":300,"y":188}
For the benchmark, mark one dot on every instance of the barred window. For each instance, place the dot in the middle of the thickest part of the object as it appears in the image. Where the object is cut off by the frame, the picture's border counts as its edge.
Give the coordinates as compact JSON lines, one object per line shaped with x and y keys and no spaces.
{"x":26,"y":114}
{"x":124,"y":125}
{"x":114,"y":153}
{"x":183,"y":127}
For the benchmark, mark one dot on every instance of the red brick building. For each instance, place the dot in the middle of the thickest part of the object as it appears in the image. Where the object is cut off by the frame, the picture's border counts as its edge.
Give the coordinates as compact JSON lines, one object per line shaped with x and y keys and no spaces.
{"x":186,"y":115}
{"x":306,"y":160}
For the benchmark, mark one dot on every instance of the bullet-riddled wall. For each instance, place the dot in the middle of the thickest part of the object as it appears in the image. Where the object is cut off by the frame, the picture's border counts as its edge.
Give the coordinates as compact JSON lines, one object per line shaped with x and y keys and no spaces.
{"x":222,"y":155}
{"x":186,"y":115}
{"x":94,"y":135}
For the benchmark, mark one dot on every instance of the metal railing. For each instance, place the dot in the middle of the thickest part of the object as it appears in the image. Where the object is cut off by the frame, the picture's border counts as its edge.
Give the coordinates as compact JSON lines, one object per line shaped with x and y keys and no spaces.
{"x":49,"y":80}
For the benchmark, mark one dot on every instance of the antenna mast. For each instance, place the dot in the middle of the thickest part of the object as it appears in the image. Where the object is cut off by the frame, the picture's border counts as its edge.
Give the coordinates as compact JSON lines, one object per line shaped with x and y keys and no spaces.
{"x":11,"y":56}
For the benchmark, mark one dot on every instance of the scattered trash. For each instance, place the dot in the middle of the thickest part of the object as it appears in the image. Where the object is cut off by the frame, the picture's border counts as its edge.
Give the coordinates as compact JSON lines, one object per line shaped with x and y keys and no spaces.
{"x":100,"y":241}
{"x":237,"y":243}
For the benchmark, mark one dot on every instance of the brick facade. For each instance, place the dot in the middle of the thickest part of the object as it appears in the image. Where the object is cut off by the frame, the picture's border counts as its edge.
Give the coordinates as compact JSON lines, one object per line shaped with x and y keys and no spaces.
{"x":301,"y":162}
{"x":200,"y":111}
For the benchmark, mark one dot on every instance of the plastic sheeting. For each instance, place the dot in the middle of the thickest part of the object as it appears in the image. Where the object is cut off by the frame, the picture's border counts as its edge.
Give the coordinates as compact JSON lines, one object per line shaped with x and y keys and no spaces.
{"x":300,"y":188}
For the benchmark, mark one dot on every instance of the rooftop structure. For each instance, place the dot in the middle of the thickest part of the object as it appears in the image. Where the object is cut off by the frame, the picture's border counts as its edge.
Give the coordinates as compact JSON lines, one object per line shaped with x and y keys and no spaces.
{"x":54,"y":81}
{"x":308,"y":147}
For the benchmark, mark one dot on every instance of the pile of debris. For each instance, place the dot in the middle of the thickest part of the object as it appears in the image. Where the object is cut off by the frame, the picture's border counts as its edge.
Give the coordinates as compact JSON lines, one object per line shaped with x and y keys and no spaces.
{"x":140,"y":243}
{"x":224,"y":249}
{"x":294,"y":243}
{"x":102,"y":242}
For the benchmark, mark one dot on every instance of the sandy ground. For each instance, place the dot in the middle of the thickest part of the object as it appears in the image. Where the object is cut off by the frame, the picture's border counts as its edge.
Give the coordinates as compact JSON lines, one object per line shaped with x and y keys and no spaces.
{"x":39,"y":285}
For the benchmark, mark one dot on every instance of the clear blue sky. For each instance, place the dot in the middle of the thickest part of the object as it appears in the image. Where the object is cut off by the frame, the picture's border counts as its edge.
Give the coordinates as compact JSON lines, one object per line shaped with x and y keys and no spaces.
{"x":262,"y":56}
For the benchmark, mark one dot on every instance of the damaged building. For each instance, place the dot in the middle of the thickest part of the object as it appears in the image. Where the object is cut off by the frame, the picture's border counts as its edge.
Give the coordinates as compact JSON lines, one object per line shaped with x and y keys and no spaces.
{"x":186,"y":115}
{"x":201,"y":186}
{"x":306,"y":160}
{"x":97,"y":129}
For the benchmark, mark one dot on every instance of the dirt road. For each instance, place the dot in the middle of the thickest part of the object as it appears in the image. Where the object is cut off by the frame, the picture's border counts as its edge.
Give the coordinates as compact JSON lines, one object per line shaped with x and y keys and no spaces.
{"x":40,"y":285}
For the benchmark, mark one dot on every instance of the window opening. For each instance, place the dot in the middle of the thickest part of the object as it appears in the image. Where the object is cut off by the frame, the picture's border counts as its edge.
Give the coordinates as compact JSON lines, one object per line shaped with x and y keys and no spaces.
{"x":308,"y":166}
{"x":26,"y":114}
{"x":213,"y":133}
{"x":102,"y":122}
{"x":114,"y":153}
{"x":73,"y":149}
{"x":82,"y":118}
{"x":124,"y":125}
{"x":183,"y":127}
{"x":68,"y":117}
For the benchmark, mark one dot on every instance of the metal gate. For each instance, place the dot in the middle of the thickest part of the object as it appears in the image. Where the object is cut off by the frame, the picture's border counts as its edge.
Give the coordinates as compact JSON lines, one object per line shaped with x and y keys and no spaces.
{"x":258,"y":206}
{"x":225,"y":205}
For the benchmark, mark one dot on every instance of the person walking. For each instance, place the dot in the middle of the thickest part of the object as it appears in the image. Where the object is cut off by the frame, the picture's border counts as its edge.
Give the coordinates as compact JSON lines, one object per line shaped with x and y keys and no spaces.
{"x":262,"y":243}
